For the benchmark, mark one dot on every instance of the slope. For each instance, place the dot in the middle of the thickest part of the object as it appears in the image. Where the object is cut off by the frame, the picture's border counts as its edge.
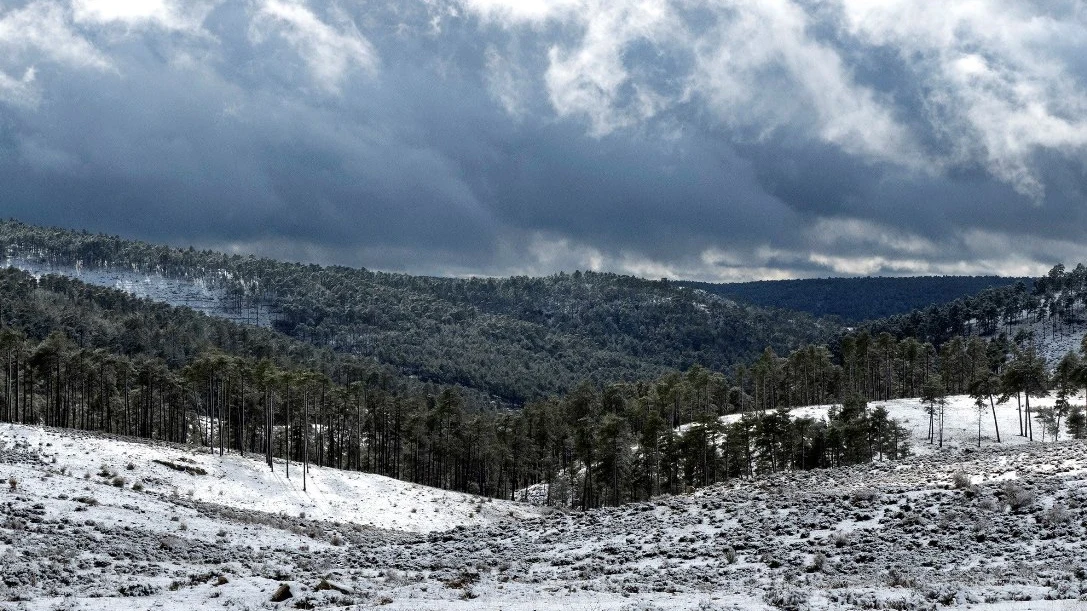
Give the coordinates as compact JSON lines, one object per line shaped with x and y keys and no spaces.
{"x":857,"y":299}
{"x":83,"y":462}
{"x":516,"y":338}
{"x":997,"y":528}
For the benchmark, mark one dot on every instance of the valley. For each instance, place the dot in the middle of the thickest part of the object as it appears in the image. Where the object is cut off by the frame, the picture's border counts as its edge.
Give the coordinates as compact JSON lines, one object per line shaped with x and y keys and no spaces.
{"x":583,"y":440}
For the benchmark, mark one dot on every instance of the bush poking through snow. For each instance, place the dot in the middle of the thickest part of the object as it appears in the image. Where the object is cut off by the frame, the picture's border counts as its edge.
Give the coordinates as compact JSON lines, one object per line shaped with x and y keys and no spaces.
{"x":960,"y":480}
{"x":13,"y":483}
{"x":897,"y":578}
{"x":1016,"y":496}
{"x":119,"y":482}
{"x":787,"y":598}
{"x":989,"y":504}
{"x":1057,"y":514}
{"x":463,"y":581}
{"x":840,"y":539}
{"x":730,"y":555}
{"x":818,"y":563}
{"x":865,"y":495}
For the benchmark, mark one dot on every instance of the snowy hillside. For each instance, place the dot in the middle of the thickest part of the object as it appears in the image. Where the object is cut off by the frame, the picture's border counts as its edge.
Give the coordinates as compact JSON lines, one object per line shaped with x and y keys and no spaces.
{"x":195,"y":294}
{"x":961,"y":420}
{"x":996,"y":528}
{"x":246,"y":483}
{"x":1053,"y":342}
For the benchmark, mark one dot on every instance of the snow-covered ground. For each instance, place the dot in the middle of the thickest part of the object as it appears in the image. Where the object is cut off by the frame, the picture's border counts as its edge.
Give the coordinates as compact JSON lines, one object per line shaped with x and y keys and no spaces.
{"x":195,"y":294}
{"x":1003,"y":527}
{"x":247,"y":483}
{"x":961,"y":419}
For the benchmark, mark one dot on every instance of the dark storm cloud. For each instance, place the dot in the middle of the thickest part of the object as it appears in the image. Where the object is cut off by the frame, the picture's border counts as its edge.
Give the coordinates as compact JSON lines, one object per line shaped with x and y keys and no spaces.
{"x":485,"y":136}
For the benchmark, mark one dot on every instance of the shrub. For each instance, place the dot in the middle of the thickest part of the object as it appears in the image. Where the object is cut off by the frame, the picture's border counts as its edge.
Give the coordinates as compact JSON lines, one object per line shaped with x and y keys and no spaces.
{"x":730,"y":555}
{"x":13,"y":483}
{"x":898,"y":578}
{"x":119,"y":482}
{"x":769,"y":560}
{"x":961,"y":480}
{"x":1016,"y":496}
{"x":138,"y":487}
{"x":1057,"y":514}
{"x":840,"y":539}
{"x":790,"y":599}
{"x":463,"y":581}
{"x":865,"y":495}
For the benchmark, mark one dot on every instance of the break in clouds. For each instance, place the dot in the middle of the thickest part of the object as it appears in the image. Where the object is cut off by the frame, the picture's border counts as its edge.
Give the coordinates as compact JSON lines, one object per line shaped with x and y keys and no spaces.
{"x":708,"y":139}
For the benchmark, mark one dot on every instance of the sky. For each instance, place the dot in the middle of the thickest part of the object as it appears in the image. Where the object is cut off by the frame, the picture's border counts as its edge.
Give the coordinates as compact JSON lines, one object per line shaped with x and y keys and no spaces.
{"x":714,"y":140}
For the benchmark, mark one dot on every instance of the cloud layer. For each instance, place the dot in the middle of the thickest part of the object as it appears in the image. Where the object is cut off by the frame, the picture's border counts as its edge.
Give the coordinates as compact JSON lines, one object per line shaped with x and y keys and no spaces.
{"x":711,"y":139}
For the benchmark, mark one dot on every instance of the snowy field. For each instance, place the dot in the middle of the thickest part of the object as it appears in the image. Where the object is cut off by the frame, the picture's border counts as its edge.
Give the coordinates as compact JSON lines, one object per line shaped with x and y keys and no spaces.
{"x":961,"y":420}
{"x":998,"y":528}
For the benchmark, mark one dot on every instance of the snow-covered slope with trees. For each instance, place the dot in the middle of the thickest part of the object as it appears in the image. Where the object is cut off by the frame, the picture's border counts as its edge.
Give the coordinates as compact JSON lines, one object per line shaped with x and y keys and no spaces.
{"x":246,"y":483}
{"x":997,"y":528}
{"x":961,"y":421}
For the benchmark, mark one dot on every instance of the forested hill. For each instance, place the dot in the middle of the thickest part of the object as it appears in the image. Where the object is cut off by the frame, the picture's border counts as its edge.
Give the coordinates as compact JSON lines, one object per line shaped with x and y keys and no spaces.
{"x":857,"y":299}
{"x":515,"y":338}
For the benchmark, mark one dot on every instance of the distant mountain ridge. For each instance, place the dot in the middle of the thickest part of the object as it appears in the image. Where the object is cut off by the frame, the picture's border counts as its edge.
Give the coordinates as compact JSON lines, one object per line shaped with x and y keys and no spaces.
{"x":854,"y":300}
{"x":516,"y":338}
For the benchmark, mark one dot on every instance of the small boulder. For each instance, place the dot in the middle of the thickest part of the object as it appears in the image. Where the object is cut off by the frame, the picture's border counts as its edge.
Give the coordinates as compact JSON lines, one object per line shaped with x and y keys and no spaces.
{"x":328,"y":585}
{"x":282,"y":593}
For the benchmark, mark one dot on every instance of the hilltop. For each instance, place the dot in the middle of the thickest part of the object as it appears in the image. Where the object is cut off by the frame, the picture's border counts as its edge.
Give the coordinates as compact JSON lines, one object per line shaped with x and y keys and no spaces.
{"x":854,"y":300}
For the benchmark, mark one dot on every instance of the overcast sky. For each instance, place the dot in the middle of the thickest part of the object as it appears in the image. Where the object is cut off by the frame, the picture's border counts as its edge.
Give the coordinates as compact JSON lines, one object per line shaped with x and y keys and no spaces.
{"x":706,"y":139}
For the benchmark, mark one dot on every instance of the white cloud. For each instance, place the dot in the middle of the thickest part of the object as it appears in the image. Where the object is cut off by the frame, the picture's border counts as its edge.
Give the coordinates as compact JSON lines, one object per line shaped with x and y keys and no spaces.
{"x":174,"y":15}
{"x":523,"y":11}
{"x":19,"y":92}
{"x":588,"y":79}
{"x":760,"y":68}
{"x":329,"y":52}
{"x":853,"y":233}
{"x":36,"y":33}
{"x":996,"y":74}
{"x":752,"y":63}
{"x":42,"y":30}
{"x":506,"y":83}
{"x":994,"y":77}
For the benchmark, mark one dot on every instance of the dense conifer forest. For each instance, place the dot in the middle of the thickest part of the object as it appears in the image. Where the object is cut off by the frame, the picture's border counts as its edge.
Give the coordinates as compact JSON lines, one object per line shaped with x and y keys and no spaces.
{"x":74,"y":355}
{"x":854,"y":300}
{"x":515,"y":338}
